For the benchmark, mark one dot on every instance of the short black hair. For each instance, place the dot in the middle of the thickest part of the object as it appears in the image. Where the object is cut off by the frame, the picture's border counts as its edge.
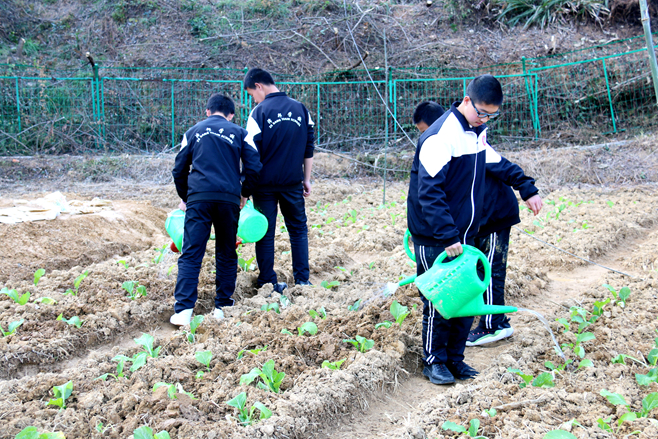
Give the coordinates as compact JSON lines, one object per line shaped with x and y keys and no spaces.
{"x":220,"y":103}
{"x":427,"y":112}
{"x":485,"y":89}
{"x":256,"y":75}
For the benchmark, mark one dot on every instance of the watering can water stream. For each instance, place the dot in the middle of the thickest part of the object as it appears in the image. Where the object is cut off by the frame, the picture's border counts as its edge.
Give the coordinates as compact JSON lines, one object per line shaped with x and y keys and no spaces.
{"x":454,"y":288}
{"x":252,"y":225}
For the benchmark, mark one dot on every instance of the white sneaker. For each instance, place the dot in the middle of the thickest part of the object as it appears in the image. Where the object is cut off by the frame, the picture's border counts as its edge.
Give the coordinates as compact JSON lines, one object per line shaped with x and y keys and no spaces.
{"x":181,"y":318}
{"x":218,"y":314}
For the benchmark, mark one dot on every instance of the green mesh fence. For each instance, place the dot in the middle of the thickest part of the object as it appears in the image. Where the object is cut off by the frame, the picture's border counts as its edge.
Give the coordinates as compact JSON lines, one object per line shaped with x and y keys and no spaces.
{"x":577,"y":95}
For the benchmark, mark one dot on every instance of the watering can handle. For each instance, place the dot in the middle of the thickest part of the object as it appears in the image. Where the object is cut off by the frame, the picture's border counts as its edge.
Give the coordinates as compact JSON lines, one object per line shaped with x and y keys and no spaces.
{"x":473,"y":250}
{"x":407,"y":237}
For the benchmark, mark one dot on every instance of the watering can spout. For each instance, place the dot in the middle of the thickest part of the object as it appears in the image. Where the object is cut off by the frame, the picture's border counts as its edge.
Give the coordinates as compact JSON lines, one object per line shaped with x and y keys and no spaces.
{"x":478,"y":308}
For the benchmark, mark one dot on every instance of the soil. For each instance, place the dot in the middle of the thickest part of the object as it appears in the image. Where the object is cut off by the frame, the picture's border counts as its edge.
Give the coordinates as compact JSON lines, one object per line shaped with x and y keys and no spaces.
{"x":356,"y":240}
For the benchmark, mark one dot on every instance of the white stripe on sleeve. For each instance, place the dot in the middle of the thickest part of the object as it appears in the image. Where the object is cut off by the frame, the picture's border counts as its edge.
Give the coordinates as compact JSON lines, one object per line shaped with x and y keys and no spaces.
{"x":252,"y":130}
{"x":434,"y":155}
{"x":183,"y":142}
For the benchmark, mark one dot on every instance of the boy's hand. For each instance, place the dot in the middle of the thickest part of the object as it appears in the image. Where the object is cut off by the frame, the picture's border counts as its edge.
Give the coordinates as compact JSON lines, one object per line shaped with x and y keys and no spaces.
{"x":454,"y":250}
{"x":243,"y":201}
{"x":534,"y":203}
{"x":307,"y":188}
{"x":182,"y":206}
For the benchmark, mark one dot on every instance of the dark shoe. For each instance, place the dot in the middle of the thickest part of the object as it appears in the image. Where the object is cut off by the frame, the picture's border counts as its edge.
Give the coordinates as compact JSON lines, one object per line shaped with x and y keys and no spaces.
{"x":279,"y":287}
{"x":478,"y":336}
{"x":438,"y":374}
{"x":462,"y":371}
{"x":303,"y":282}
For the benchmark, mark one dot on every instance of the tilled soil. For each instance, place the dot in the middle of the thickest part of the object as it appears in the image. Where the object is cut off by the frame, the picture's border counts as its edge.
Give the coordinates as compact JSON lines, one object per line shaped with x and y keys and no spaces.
{"x":354,"y":241}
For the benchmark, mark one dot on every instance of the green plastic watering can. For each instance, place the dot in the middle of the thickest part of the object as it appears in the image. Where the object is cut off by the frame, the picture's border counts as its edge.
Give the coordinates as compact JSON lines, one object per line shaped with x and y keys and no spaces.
{"x":454,"y":288}
{"x":252,"y":225}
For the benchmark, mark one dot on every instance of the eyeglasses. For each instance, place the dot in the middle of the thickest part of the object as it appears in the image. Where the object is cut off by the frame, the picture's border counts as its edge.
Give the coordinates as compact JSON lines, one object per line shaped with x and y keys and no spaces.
{"x":483,"y":115}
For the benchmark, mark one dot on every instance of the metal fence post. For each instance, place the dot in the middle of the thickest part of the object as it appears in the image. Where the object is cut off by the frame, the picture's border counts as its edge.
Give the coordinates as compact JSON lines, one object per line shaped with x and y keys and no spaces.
{"x":317,"y":123}
{"x":18,"y":106}
{"x":607,"y":86}
{"x":173,"y":127}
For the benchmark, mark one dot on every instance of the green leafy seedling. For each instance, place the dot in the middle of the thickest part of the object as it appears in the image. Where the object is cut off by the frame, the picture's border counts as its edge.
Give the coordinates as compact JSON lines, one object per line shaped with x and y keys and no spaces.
{"x":13,"y":294}
{"x":134,"y":289}
{"x":76,"y":284}
{"x":329,"y":285}
{"x":285,"y":331}
{"x":173,"y":389}
{"x":252,"y":351}
{"x":621,"y":359}
{"x":474,"y":426}
{"x":355,"y":306}
{"x":284,"y":301}
{"x":544,"y":379}
{"x":246,"y":416}
{"x":333,"y":365}
{"x":246,"y":265}
{"x":194,"y":324}
{"x":146,"y":432}
{"x":46,"y":300}
{"x":160,"y":254}
{"x":146,"y":341}
{"x":11,"y":329}
{"x":319,"y":313}
{"x":620,"y":297}
{"x":559,"y":434}
{"x":371,"y":266}
{"x":37,"y":275}
{"x":526,"y":378}
{"x":384,"y":324}
{"x":491,"y":412}
{"x":271,"y":307}
{"x":309,"y":327}
{"x":361,"y":343}
{"x":271,"y":379}
{"x":204,"y":358}
{"x":118,"y":375}
{"x":73,"y":321}
{"x":32,"y":433}
{"x":123,"y":262}
{"x":61,"y":393}
{"x":399,"y":312}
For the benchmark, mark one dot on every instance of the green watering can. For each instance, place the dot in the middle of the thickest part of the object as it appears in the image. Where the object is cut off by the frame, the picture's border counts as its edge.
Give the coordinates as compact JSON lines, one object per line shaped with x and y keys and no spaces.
{"x":454,"y":288}
{"x":252,"y":226}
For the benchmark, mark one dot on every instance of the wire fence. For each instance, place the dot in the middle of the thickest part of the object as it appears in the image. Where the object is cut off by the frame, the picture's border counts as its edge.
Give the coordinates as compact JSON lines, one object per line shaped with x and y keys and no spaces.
{"x":590,"y":92}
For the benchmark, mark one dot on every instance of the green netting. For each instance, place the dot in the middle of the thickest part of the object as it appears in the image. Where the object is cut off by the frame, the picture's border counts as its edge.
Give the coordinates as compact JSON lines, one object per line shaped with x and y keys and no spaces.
{"x":149,"y":109}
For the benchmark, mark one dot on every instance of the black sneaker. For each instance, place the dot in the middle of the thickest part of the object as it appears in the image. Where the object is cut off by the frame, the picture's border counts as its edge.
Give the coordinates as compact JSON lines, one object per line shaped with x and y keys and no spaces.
{"x":462,"y":371}
{"x":438,"y":373}
{"x":279,"y":287}
{"x":303,"y":282}
{"x":479,"y":336}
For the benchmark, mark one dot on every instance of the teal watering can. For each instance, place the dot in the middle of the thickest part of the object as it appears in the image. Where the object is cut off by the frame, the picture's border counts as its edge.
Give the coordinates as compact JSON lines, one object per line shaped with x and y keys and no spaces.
{"x":252,"y":226}
{"x":454,"y":288}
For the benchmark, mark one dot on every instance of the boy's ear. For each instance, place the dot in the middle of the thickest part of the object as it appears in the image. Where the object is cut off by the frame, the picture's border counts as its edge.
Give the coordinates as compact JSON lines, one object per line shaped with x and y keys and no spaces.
{"x":207,"y":113}
{"x":229,"y":117}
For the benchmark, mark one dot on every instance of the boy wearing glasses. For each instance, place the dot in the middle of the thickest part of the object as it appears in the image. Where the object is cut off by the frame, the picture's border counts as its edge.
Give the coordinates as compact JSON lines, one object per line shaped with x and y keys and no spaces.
{"x":500,"y":213}
{"x":445,"y":205}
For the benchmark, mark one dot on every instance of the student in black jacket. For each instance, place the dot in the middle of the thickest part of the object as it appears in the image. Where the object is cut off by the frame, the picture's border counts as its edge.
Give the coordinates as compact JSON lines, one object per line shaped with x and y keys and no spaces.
{"x":282,"y":130}
{"x":211,"y":194}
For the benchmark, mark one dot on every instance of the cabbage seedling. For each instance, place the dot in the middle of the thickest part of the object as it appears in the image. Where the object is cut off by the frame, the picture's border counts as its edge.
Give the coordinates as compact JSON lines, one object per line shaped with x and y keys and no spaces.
{"x":384,"y":324}
{"x":285,"y":331}
{"x":138,"y":360}
{"x":145,"y":432}
{"x":246,"y":265}
{"x":399,"y":312}
{"x":194,"y":324}
{"x":146,"y":341}
{"x":472,"y":431}
{"x":21,"y":300}
{"x":32,"y":433}
{"x":246,"y":416}
{"x":160,"y":256}
{"x":123,"y":262}
{"x":344,"y":270}
{"x":204,"y":358}
{"x":319,"y":313}
{"x":46,"y":300}
{"x":620,"y":297}
{"x":559,"y":434}
{"x":309,"y":327}
{"x":271,"y":379}
{"x":361,"y":343}
{"x":285,"y":302}
{"x":355,"y":306}
{"x":61,"y":395}
{"x":329,"y":285}
{"x":11,"y":329}
{"x":37,"y":275}
{"x":73,"y":321}
{"x":252,"y":351}
{"x":544,"y":379}
{"x":271,"y":307}
{"x":119,"y":374}
{"x":134,"y":289}
{"x":172,"y":389}
{"x":333,"y":365}
{"x":76,"y":284}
